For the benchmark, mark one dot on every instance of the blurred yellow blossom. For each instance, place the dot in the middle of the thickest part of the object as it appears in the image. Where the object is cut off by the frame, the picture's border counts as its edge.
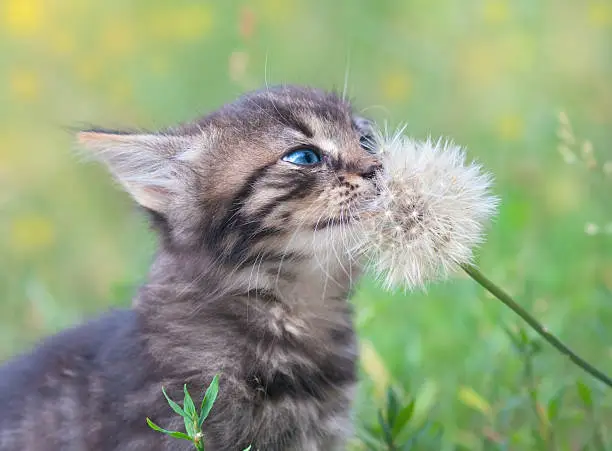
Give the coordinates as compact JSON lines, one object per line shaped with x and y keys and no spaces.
{"x":22,"y":17}
{"x":510,"y":127}
{"x":479,"y":63}
{"x":496,"y":11}
{"x":31,"y":233}
{"x":180,"y":23}
{"x":396,"y":86}
{"x":117,"y":39}
{"x":61,"y":42}
{"x":24,"y":84}
{"x":276,"y":9}
{"x":600,"y":13}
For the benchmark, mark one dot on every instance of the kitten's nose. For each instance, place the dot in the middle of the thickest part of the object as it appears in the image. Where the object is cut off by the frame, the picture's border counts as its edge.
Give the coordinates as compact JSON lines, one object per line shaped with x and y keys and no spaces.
{"x":370,"y":172}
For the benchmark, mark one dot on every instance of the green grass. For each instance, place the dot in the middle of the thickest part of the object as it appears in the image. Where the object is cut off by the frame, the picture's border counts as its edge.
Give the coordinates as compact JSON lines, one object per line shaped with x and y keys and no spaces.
{"x":491,"y":74}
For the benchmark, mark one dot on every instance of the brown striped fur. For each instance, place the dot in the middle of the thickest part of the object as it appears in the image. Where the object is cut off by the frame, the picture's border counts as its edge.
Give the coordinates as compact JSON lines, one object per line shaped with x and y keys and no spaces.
{"x":250,"y":281}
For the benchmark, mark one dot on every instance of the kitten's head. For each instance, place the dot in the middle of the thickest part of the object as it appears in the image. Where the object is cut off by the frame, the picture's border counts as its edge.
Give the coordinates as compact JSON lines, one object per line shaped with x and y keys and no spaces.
{"x":280,"y":170}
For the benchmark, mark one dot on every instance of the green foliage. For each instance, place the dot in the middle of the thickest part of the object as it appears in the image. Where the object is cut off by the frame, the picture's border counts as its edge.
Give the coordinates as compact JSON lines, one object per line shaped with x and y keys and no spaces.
{"x":394,"y":431}
{"x":193,"y":419}
{"x":530,"y":418}
{"x":490,"y":74}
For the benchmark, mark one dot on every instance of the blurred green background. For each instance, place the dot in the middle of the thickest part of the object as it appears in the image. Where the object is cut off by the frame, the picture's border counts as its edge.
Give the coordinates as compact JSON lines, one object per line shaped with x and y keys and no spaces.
{"x":525,"y":85}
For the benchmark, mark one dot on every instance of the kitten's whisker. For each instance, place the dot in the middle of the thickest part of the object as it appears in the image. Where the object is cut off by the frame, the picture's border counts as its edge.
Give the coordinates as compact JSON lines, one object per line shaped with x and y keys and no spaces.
{"x":346,"y":75}
{"x":383,"y":108}
{"x":266,"y":70}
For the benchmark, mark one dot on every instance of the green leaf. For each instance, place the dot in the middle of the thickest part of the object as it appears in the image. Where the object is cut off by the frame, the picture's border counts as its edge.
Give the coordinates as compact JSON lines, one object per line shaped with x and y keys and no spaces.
{"x":247,"y":449}
{"x":188,"y":404}
{"x":190,"y":417}
{"x":584,"y":391}
{"x":385,"y":429}
{"x":403,"y":418}
{"x":174,"y":434}
{"x":432,"y":430}
{"x":174,"y":405}
{"x":369,"y":440}
{"x":535,"y":347}
{"x":554,"y":404}
{"x":524,"y":337}
{"x":392,"y":407}
{"x":209,"y":399}
{"x":469,"y":397}
{"x":191,"y":426}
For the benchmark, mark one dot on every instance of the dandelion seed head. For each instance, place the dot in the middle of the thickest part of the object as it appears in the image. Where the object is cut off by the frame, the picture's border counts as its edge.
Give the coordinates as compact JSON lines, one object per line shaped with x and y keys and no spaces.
{"x":430,"y":211}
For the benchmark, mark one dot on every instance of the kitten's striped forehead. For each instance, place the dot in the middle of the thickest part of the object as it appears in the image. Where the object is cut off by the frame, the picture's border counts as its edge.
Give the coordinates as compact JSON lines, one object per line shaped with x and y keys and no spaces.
{"x":319,"y":117}
{"x":258,"y":128}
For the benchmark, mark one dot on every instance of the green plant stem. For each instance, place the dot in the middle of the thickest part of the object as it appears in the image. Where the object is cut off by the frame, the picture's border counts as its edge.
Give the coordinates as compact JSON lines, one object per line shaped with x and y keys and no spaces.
{"x":475,"y":274}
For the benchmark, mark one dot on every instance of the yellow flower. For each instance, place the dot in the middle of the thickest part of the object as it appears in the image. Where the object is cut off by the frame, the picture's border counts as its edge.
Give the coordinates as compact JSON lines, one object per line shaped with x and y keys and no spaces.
{"x":117,"y":39}
{"x":182,"y":24}
{"x":31,"y":233}
{"x":600,"y":14}
{"x":276,"y":10}
{"x":396,"y":86}
{"x":62,"y":42}
{"x":510,"y":127}
{"x":496,"y":11}
{"x":480,"y":64}
{"x":22,"y":17}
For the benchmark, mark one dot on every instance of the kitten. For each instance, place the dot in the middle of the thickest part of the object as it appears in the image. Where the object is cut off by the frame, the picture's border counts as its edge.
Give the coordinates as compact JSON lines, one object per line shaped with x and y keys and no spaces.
{"x":254,"y":207}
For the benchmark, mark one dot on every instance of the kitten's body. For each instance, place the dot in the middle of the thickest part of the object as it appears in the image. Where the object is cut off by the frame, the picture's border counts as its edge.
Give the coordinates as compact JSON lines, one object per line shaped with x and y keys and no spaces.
{"x":251,"y":281}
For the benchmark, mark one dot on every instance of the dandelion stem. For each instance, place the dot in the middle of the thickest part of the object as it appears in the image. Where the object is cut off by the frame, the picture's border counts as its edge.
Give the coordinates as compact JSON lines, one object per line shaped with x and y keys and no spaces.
{"x":480,"y":278}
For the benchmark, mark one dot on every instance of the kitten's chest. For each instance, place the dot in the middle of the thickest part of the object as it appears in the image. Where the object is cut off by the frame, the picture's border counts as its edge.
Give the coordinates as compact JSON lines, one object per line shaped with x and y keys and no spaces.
{"x":287,"y":423}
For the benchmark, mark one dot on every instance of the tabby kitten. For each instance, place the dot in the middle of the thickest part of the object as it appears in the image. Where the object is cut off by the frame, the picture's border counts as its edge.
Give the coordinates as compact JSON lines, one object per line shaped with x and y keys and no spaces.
{"x":254,"y":205}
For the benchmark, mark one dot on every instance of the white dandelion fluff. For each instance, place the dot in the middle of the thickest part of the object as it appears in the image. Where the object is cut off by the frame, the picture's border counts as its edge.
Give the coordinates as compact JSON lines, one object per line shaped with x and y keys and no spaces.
{"x":429,"y":214}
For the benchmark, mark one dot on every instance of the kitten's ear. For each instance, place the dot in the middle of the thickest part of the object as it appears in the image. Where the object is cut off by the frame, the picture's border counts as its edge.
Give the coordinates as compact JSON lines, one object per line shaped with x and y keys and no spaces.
{"x":145,"y":165}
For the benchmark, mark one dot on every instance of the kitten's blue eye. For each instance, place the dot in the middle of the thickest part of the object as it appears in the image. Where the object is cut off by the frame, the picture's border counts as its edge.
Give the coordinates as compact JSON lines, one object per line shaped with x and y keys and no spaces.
{"x":303,"y":157}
